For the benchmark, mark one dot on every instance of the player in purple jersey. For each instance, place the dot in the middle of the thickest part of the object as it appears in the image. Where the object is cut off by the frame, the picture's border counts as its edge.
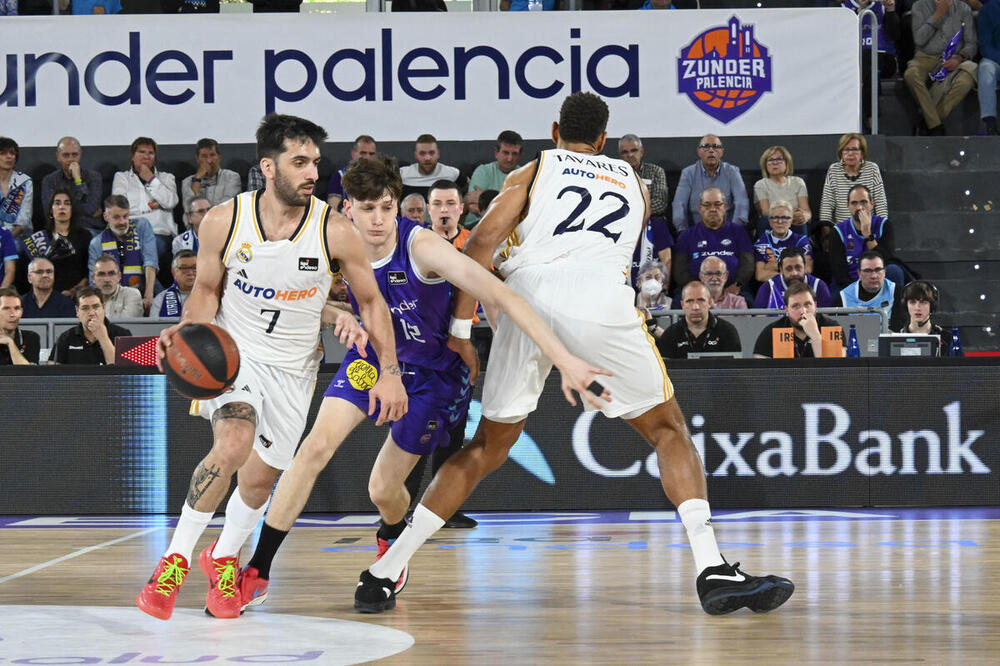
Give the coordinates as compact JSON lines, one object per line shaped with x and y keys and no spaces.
{"x":413,"y":267}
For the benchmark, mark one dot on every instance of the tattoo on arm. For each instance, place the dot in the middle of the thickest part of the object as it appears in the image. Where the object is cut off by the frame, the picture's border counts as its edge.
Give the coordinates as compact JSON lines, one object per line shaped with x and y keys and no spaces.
{"x":393,"y":370}
{"x":202,"y":478}
{"x":235,"y":410}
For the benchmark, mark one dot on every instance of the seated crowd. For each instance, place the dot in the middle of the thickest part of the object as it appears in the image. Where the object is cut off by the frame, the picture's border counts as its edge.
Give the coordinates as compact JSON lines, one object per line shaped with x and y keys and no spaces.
{"x":129,"y":248}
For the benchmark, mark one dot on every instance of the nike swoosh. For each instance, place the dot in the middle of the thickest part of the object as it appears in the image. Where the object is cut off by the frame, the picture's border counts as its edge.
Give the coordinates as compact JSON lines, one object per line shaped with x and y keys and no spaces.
{"x":388,"y":592}
{"x":735,"y":579}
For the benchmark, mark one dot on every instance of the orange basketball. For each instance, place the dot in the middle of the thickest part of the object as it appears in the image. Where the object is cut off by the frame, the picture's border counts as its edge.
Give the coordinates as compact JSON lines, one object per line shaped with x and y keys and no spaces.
{"x":202,"y":362}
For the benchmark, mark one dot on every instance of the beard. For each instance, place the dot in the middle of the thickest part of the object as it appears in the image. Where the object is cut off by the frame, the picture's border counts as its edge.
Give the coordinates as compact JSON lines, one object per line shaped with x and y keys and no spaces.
{"x":287,"y":192}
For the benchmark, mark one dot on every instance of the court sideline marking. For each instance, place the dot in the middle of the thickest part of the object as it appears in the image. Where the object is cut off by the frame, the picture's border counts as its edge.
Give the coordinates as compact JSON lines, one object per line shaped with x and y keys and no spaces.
{"x":82,"y":551}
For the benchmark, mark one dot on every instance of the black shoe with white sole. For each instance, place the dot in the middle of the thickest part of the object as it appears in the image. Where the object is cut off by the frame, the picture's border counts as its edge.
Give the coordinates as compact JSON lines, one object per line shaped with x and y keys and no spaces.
{"x":374,"y":595}
{"x":724,"y":588}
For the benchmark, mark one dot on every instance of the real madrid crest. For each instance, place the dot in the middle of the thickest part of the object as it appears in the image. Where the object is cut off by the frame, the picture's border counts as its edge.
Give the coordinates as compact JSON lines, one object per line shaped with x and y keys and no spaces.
{"x":245,"y":253}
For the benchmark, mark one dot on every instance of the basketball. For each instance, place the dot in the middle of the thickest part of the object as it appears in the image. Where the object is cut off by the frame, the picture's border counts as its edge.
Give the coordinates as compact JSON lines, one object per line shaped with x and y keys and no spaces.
{"x":202,"y":362}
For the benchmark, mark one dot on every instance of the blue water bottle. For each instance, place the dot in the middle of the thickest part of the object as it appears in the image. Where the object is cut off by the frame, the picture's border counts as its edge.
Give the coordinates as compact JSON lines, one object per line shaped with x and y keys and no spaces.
{"x":956,"y":343}
{"x":853,"y":349}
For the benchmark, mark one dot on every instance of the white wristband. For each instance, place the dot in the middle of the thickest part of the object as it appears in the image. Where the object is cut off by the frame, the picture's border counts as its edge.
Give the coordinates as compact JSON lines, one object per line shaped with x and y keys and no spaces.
{"x":460,"y":328}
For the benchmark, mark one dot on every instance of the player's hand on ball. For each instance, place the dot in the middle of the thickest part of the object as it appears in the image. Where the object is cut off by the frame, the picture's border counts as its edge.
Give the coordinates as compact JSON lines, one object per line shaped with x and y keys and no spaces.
{"x":166,"y":339}
{"x":467,"y":351}
{"x":578,"y":375}
{"x":349,"y":331}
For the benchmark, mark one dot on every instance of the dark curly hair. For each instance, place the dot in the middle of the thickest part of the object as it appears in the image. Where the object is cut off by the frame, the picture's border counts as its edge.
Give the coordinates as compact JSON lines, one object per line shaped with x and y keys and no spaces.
{"x":582,"y":118}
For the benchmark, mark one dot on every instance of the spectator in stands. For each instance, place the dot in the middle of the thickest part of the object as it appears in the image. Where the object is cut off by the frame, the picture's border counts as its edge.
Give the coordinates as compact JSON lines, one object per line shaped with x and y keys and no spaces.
{"x":17,"y":347}
{"x":486,"y":197}
{"x":630,"y":149}
{"x":119,"y":301}
{"x":709,"y":171}
{"x":132,"y":245}
{"x":888,"y":36}
{"x":364,"y":146}
{"x":700,"y":330}
{"x":91,"y":342}
{"x":62,"y":241}
{"x":255,"y":178}
{"x":935,"y":24}
{"x":861,"y":232}
{"x":42,"y":301}
{"x":714,"y":275}
{"x":169,"y":302}
{"x":806,"y":325}
{"x":852,"y":168}
{"x":778,"y":184}
{"x":83,"y":184}
{"x":190,"y":6}
{"x":414,"y":207}
{"x":210,"y":181}
{"x":196,"y":211}
{"x":713,"y":235}
{"x":655,"y":243}
{"x":657,"y":4}
{"x":989,"y":65}
{"x":871,"y":289}
{"x":921,"y":299}
{"x":770,"y":244}
{"x":444,"y":205}
{"x":490,"y":176}
{"x":16,"y":191}
{"x":87,"y":7}
{"x":651,"y":283}
{"x":8,"y":258}
{"x":426,"y":170}
{"x":524,"y":5}
{"x":152,"y":195}
{"x":792,"y":267}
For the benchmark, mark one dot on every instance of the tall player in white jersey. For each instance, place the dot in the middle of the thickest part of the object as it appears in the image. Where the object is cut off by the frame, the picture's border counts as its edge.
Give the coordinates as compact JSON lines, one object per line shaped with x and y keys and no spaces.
{"x":564,"y":228}
{"x":265,"y":264}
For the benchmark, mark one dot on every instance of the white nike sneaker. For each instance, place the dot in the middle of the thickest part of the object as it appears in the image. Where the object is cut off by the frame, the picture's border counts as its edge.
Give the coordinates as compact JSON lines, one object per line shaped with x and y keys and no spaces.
{"x":724,"y":588}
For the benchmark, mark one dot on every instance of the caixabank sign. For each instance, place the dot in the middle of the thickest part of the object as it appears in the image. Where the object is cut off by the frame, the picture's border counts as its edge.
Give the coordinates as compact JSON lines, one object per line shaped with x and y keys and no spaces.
{"x":771,"y":434}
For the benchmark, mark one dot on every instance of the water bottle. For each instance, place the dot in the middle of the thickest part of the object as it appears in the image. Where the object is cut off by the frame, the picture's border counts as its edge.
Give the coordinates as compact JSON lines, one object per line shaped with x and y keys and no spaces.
{"x":535,"y":5}
{"x":956,"y":343}
{"x":853,"y":349}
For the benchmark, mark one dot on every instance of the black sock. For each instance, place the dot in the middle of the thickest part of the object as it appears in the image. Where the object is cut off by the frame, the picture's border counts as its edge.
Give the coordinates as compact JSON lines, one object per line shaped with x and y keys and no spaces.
{"x":267,"y":546}
{"x":390,"y":532}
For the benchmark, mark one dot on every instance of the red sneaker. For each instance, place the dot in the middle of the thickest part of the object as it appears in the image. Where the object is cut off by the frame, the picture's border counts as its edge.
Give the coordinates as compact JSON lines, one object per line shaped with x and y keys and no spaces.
{"x":253,"y":588}
{"x":223,"y":599}
{"x":159,"y":595}
{"x":381,"y":547}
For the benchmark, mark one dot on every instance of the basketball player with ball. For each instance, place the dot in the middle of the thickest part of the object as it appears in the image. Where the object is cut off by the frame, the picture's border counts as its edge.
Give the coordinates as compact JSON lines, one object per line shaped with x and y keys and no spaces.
{"x":562,"y":232}
{"x":415,"y":269}
{"x":265,"y":265}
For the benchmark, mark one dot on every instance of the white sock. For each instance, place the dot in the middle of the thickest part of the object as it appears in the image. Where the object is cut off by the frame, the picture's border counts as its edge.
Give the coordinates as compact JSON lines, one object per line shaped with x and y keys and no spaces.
{"x":425,"y":523}
{"x":240,"y":523}
{"x":697,"y":518}
{"x":189,"y":527}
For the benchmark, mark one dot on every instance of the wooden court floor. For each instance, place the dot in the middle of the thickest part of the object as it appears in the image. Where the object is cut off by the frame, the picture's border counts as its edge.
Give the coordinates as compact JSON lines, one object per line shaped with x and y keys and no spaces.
{"x":883,"y":587}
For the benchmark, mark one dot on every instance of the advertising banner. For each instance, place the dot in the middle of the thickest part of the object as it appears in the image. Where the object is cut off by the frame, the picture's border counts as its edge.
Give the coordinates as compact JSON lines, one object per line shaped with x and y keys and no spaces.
{"x":108,"y":79}
{"x":770,"y":437}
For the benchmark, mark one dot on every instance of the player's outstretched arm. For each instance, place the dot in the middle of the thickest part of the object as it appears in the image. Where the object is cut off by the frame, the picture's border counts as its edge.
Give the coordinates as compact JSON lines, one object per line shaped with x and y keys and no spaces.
{"x":433,"y":254}
{"x":203,"y":303}
{"x":346,"y":247}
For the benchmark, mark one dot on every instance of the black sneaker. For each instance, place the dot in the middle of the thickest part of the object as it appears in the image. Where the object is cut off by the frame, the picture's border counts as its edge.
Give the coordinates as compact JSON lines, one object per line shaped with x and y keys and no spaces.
{"x":460,"y":521}
{"x":724,"y":588}
{"x":374,"y":595}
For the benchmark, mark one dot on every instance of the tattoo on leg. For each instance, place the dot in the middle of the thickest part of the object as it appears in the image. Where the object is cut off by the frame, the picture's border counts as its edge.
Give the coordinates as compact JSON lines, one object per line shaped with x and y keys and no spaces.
{"x":202,"y":478}
{"x":235,"y":410}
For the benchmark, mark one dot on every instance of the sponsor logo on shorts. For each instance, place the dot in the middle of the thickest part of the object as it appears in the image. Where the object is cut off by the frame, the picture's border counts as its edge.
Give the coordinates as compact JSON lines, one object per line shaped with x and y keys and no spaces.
{"x":308,"y":263}
{"x":397,"y":278}
{"x":361,"y":374}
{"x":425,"y":438}
{"x":433,"y":425}
{"x":245,"y":253}
{"x":265,"y":442}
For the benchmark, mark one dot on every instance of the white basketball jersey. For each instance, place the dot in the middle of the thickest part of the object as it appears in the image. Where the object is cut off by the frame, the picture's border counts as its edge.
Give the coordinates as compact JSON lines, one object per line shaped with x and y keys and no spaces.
{"x":275,"y":290}
{"x":587,"y":209}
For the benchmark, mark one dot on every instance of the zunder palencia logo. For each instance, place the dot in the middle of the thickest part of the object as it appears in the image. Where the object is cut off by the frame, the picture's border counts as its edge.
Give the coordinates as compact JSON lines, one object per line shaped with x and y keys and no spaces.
{"x":724,"y":70}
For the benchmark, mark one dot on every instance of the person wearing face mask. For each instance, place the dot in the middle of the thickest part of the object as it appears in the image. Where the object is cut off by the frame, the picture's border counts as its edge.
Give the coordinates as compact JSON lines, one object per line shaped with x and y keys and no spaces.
{"x":651,"y":282}
{"x":921,"y":299}
{"x":700,"y":330}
